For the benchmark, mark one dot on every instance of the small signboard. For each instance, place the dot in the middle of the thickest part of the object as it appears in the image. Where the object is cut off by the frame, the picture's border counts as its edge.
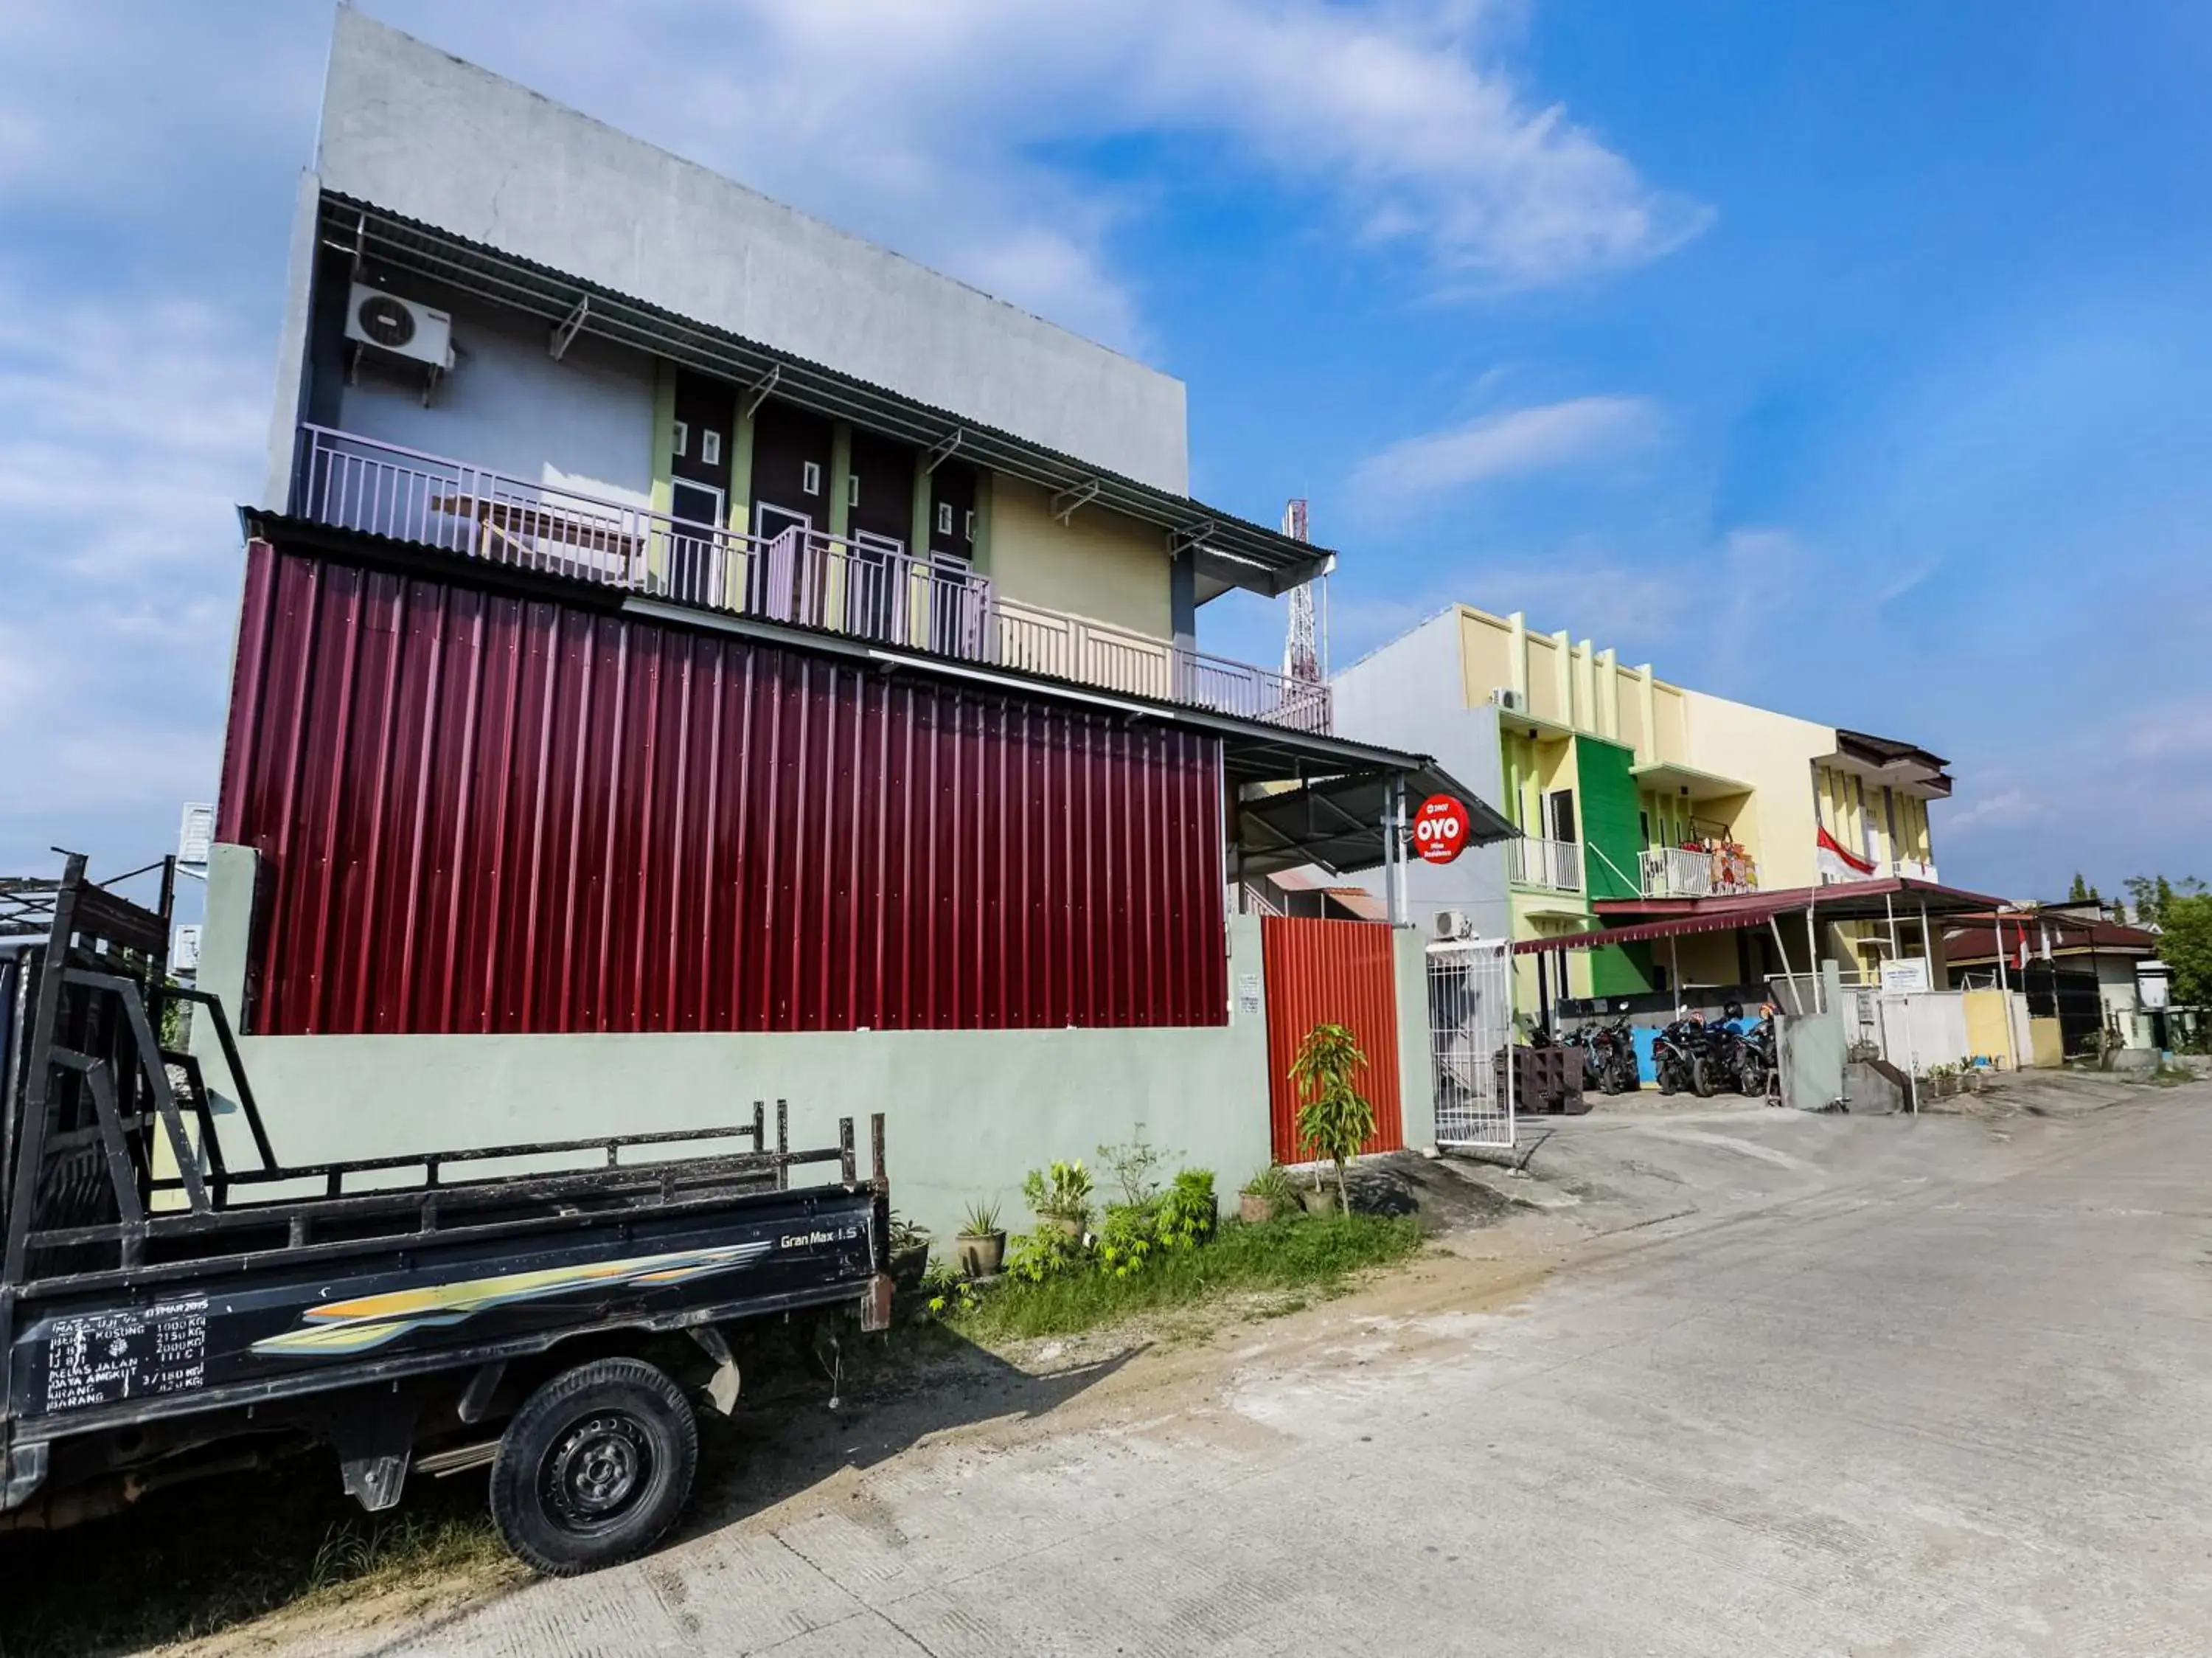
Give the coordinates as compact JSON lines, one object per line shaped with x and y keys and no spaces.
{"x":1905,"y":978}
{"x":1248,"y":995}
{"x":185,"y":949}
{"x":1440,"y":829}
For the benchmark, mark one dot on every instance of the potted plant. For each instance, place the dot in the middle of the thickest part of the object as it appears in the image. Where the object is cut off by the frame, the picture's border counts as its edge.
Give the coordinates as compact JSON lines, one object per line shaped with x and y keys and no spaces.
{"x":1335,"y":1118}
{"x":1266,"y":1195}
{"x":983,"y":1241}
{"x":1061,"y":1197}
{"x":910,"y":1253}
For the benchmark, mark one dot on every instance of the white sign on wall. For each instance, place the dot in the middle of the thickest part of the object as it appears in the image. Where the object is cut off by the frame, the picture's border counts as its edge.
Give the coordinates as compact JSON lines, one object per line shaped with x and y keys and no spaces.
{"x":1906,"y":978}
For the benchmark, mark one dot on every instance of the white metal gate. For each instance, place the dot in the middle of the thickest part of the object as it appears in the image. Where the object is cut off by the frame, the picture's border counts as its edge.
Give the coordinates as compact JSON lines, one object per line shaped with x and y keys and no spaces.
{"x":1470,"y":1026}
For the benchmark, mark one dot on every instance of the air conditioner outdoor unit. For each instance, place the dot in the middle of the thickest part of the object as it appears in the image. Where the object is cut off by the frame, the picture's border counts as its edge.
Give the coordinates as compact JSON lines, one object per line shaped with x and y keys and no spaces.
{"x":399,"y":327}
{"x":1455,"y":923}
{"x":1509,"y":699}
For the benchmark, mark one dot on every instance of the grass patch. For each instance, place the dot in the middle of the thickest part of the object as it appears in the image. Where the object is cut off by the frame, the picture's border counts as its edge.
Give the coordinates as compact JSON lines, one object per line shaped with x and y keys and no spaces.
{"x":1315,"y":1255}
{"x":203,"y":1557}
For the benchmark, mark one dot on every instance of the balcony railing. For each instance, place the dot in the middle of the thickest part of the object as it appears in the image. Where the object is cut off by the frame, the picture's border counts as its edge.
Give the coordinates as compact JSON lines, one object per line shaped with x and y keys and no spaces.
{"x":802,"y":578}
{"x":1679,"y":872}
{"x":1555,"y":865}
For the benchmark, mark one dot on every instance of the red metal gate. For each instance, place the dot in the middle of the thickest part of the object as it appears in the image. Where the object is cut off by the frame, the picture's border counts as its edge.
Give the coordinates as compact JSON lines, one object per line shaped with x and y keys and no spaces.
{"x":1337,"y":972}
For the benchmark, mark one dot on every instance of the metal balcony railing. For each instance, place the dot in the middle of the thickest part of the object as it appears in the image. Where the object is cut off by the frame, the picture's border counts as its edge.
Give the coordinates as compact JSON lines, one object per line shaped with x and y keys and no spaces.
{"x":802,"y":578}
{"x":1556,"y":865}
{"x":1679,"y":872}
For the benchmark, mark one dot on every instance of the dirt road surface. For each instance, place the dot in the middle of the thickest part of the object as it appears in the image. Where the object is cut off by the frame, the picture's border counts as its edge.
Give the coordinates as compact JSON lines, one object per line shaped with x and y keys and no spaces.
{"x":1734,"y":1381}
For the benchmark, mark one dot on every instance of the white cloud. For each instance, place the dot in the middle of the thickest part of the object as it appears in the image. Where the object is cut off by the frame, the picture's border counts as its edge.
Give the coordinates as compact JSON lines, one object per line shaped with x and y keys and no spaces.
{"x":941,"y":129}
{"x":1503,"y":445}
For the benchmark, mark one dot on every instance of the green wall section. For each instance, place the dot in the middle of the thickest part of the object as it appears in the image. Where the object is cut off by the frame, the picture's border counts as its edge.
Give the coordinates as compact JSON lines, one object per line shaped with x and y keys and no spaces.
{"x":1612,"y":837}
{"x":1620,"y":970}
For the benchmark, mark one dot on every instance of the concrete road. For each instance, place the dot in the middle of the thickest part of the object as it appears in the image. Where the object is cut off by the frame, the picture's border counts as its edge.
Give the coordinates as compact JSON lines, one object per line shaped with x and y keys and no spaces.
{"x":1814,"y":1385}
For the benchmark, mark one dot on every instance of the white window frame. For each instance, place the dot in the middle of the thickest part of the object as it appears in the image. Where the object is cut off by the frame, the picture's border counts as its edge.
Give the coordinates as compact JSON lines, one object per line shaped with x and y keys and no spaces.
{"x":944,"y":518}
{"x":852,"y":488}
{"x":810,"y":478}
{"x":968,"y":527}
{"x":679,"y":442}
{"x":710,"y":447}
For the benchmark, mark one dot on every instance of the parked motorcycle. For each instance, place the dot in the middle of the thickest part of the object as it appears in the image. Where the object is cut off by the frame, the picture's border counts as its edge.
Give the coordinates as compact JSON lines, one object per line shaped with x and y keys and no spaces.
{"x":1724,"y":1053}
{"x":1755,"y":1061}
{"x":1678,"y":1058}
{"x":1612,"y":1047}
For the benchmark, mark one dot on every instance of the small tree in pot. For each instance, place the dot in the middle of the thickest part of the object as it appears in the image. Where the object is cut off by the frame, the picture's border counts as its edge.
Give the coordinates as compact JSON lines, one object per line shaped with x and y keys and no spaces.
{"x":1335,"y":1118}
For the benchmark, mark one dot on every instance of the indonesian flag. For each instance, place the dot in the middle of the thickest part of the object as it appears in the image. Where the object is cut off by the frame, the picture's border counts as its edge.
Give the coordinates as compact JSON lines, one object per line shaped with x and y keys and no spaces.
{"x":2023,"y":947}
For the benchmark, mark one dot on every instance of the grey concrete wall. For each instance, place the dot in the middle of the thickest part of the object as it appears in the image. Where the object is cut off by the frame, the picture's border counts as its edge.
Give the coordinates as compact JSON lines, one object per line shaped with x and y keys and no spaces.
{"x":422,"y":133}
{"x":1416,"y":1077}
{"x":967,"y":1111}
{"x":1410,"y":695}
{"x":584,"y":422}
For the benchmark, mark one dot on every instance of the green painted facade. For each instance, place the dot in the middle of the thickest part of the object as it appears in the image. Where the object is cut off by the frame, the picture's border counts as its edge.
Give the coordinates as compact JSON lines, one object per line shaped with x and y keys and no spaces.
{"x":1613,"y":831}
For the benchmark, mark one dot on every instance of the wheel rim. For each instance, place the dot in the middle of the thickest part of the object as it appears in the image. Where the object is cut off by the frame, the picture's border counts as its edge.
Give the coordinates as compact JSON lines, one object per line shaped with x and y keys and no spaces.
{"x":596,"y":1472}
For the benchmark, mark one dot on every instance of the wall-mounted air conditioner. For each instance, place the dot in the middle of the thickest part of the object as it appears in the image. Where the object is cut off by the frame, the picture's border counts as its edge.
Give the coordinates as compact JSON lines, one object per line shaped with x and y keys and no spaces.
{"x":1455,"y":923}
{"x":399,"y":327}
{"x":1509,"y":699}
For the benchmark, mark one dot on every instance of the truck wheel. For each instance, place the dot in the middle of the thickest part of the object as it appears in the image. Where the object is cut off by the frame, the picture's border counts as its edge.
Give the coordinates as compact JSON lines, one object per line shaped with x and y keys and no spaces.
{"x":594,"y":1468}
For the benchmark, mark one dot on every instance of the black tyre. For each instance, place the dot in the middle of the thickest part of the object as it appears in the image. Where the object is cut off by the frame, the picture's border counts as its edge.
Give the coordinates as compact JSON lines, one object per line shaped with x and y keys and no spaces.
{"x":1670,"y":1076}
{"x":594,"y":1468}
{"x":1701,"y":1077}
{"x":1751,"y":1080}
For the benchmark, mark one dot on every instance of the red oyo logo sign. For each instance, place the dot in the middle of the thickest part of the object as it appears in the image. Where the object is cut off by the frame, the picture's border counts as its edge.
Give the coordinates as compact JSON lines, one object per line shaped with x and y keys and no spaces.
{"x":1440,"y":829}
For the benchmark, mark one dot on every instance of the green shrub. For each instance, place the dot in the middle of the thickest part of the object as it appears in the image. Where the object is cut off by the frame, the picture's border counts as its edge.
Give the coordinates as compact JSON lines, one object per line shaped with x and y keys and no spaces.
{"x":1060,"y":1192}
{"x":1134,"y":1166}
{"x":1274,"y":1183}
{"x":1190,"y":1210}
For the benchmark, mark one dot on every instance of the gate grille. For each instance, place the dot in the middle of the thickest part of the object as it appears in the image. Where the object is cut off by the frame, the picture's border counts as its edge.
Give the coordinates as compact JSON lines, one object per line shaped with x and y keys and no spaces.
{"x":1470,"y":1024}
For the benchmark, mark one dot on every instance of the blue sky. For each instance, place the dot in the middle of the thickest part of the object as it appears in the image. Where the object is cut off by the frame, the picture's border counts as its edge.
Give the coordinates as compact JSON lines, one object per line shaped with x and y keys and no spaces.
{"x":1847,"y":358}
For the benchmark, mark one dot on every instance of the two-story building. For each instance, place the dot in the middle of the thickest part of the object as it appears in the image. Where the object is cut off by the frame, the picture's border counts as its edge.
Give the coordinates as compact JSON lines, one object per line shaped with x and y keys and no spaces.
{"x":1666,"y":832}
{"x":690,"y":654}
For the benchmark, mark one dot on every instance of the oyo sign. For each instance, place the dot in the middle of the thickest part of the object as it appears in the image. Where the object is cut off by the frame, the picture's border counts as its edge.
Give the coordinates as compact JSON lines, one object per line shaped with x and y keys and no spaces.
{"x":1440,"y":829}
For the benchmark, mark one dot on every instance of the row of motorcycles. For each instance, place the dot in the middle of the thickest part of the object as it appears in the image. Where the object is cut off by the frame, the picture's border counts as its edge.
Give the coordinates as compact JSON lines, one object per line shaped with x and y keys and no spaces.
{"x":1703,"y":1056}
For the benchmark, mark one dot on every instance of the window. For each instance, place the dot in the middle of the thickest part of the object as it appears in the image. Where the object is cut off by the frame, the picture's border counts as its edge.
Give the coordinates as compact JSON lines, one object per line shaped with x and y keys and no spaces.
{"x":967,"y":529}
{"x":944,"y":518}
{"x":1561,"y":813}
{"x":852,"y":488}
{"x":710,"y":448}
{"x":810,"y":478}
{"x":681,"y":444}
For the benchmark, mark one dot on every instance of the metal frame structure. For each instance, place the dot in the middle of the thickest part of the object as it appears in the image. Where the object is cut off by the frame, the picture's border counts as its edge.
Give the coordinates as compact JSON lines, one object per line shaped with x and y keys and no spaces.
{"x":1471,"y":1042}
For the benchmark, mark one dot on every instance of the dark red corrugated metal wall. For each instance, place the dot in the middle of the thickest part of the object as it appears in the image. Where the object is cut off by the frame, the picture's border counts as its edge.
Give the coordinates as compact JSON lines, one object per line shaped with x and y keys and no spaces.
{"x":1331,"y":973}
{"x":484,"y":813}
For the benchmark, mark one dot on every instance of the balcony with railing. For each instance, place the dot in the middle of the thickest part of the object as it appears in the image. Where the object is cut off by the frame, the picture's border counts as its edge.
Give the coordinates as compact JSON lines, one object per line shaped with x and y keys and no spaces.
{"x":1554,"y":865}
{"x":1685,"y":871}
{"x":804,"y":578}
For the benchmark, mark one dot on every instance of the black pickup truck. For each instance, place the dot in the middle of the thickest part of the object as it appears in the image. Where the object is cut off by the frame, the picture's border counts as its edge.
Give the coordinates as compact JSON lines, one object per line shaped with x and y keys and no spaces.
{"x":171,"y":1305}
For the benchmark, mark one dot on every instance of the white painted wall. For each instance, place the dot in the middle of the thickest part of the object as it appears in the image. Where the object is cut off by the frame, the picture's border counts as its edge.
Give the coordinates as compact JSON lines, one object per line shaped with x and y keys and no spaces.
{"x":584,"y":422}
{"x":1410,"y":695}
{"x":421,"y":133}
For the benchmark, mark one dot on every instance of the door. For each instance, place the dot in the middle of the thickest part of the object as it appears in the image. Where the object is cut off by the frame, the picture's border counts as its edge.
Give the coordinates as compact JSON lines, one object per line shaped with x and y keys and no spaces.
{"x":875,"y":587}
{"x":693,"y":569}
{"x":787,"y":573}
{"x":1337,"y":972}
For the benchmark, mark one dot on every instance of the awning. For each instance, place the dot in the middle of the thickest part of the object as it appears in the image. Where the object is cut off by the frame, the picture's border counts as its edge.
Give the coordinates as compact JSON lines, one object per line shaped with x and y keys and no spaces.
{"x":1337,"y":822}
{"x":1851,"y":900}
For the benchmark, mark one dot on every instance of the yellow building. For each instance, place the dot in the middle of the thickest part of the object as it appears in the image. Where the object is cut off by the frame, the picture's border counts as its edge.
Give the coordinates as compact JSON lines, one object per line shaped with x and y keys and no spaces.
{"x":1653,"y":810}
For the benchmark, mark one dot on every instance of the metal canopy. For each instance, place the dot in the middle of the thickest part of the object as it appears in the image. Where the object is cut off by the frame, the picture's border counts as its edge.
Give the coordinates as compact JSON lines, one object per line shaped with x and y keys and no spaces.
{"x":1854,"y":901}
{"x":1227,"y":552}
{"x":1337,"y":822}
